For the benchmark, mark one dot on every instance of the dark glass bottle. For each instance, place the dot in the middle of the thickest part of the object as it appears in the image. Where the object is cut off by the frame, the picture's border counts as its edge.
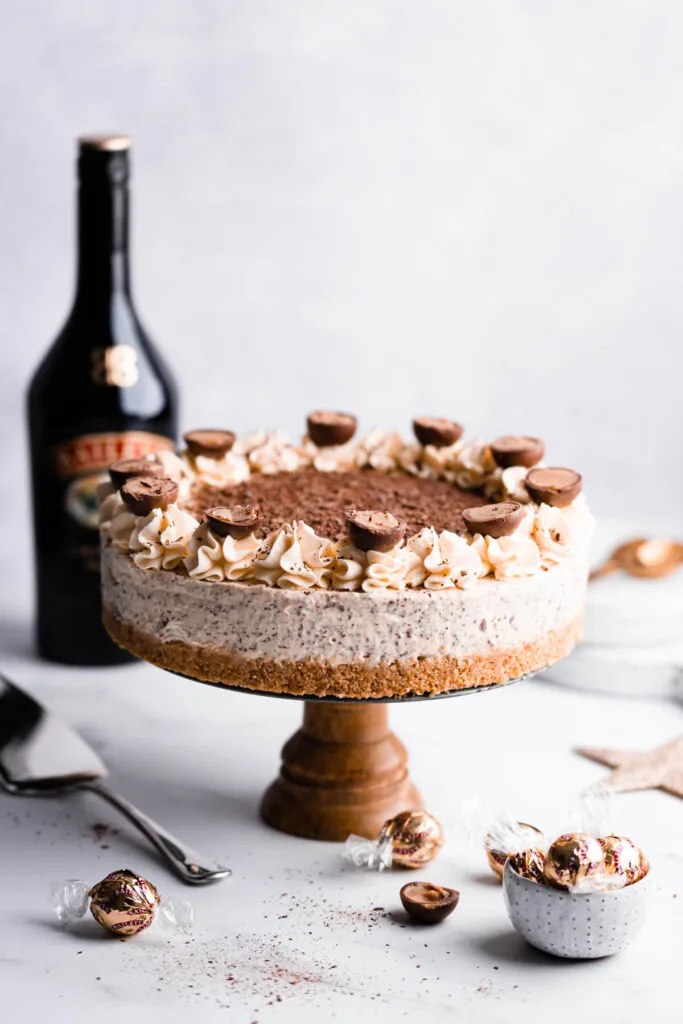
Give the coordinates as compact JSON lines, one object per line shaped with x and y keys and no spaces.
{"x":102,"y":393}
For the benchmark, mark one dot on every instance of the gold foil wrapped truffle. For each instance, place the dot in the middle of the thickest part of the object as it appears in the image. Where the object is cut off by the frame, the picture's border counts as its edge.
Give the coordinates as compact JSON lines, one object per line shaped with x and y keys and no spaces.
{"x":416,"y":838}
{"x":573,"y":859}
{"x":497,"y":857}
{"x":124,"y":903}
{"x":623,"y":860}
{"x":529,"y":864}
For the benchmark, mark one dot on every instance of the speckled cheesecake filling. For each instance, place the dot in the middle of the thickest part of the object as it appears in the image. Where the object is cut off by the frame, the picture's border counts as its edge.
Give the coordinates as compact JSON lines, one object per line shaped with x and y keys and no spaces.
{"x":409,"y":677}
{"x":251,"y":621}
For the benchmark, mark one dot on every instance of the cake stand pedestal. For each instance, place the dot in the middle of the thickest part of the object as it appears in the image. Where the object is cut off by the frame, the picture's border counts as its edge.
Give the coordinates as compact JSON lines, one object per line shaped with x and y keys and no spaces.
{"x":344,"y":771}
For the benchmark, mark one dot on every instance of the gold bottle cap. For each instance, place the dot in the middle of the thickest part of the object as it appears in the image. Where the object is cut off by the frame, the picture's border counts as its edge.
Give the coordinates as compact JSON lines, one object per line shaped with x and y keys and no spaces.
{"x":107,"y":143}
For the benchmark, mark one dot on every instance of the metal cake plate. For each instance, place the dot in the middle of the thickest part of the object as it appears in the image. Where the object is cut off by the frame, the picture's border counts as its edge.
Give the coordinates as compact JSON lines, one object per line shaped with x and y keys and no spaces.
{"x":311,"y":698}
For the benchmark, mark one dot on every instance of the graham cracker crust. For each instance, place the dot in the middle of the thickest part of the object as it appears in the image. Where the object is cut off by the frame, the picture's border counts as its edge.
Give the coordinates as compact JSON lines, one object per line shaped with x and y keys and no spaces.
{"x":406,"y":678}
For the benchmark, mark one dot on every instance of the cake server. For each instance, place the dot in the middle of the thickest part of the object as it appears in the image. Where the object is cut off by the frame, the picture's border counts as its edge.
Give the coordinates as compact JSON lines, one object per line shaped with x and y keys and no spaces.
{"x":41,"y":755}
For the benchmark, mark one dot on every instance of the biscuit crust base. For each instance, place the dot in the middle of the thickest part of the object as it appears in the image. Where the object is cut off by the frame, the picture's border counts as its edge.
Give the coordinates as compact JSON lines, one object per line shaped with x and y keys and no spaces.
{"x":410,"y":677}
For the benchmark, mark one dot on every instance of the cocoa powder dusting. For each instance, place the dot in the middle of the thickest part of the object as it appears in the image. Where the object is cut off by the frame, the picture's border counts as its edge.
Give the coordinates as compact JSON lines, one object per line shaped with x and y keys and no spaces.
{"x":320,"y":499}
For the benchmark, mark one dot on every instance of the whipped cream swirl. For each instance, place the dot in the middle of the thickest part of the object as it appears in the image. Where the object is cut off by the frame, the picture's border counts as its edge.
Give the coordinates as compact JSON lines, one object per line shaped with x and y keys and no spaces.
{"x":387,"y":570}
{"x":380,"y":449}
{"x":156,"y":541}
{"x":508,"y":485}
{"x":246,"y":444}
{"x":512,"y":557}
{"x":178,"y":468}
{"x":558,"y":532}
{"x":348,"y":568}
{"x":226,"y":471}
{"x":467,"y":465}
{"x":431,"y":462}
{"x":372,"y":570}
{"x":448,"y":560}
{"x":335,"y":458}
{"x":215,"y":558}
{"x":473,"y":464}
{"x":122,"y":527}
{"x":109,"y":501}
{"x":295,"y":557}
{"x":275,"y":454}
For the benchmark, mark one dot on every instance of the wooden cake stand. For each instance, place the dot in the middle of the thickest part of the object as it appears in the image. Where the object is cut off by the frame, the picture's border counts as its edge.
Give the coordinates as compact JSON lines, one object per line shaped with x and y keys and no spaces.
{"x":344,"y":770}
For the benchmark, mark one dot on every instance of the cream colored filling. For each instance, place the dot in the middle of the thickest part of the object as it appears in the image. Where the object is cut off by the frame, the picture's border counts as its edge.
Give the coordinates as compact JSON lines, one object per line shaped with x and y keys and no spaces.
{"x":257,"y":621}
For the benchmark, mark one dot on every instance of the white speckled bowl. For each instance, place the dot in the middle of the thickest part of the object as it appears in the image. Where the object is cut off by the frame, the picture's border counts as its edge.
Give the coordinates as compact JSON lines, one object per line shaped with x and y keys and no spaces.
{"x":574,"y":925}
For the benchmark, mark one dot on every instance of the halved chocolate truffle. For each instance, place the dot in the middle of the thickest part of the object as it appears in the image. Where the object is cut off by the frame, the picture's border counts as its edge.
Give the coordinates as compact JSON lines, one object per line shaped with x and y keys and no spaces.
{"x":212,"y":443}
{"x":438,"y":432}
{"x":327,"y":429}
{"x":142,"y":494}
{"x":499,"y":520}
{"x":428,"y":903}
{"x":553,"y":486}
{"x":515,"y":450}
{"x":126,"y":469}
{"x":238,"y":521}
{"x":374,"y":531}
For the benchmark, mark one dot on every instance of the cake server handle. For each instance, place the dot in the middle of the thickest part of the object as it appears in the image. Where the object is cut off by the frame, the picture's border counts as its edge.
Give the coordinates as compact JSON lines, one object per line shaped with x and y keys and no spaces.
{"x":190,"y":866}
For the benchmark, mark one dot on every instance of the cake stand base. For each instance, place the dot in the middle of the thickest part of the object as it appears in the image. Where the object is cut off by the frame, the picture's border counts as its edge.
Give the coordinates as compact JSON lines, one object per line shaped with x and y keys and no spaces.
{"x":344,"y":771}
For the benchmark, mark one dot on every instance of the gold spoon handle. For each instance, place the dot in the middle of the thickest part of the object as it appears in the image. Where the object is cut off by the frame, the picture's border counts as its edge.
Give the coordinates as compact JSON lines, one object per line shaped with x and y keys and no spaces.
{"x":646,"y":559}
{"x":610,"y":565}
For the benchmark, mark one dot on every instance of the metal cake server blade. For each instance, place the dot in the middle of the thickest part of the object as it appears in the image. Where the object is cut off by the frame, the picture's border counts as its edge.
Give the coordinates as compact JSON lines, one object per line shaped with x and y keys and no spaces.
{"x":40,"y":754}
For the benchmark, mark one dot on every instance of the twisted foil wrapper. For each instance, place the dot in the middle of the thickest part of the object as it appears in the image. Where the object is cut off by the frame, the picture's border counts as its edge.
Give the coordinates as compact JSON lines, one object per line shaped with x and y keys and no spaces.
{"x":408,"y":840}
{"x":368,"y":853}
{"x":123,"y":903}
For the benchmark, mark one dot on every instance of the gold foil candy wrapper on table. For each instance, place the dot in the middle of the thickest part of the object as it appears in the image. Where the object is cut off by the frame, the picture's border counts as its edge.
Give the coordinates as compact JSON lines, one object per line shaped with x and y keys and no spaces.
{"x":410,"y":839}
{"x":623,"y":860}
{"x":506,"y":838}
{"x":123,"y":903}
{"x":573,"y":860}
{"x":416,"y":838}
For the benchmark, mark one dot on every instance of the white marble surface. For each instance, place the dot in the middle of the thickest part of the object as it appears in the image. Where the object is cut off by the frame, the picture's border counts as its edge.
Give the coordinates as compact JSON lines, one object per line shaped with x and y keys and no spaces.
{"x":294,"y":935}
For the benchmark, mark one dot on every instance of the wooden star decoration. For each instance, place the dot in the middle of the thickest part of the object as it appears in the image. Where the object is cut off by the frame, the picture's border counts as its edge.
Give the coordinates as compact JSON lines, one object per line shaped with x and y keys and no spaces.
{"x":661,"y":768}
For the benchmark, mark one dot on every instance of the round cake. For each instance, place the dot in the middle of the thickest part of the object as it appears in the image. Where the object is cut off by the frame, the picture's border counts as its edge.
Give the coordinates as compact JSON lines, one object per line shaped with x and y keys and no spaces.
{"x":345,"y":566}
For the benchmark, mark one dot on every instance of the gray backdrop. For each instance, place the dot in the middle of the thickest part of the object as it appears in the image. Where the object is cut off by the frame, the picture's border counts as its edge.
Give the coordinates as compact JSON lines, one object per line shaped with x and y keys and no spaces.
{"x":449,"y":207}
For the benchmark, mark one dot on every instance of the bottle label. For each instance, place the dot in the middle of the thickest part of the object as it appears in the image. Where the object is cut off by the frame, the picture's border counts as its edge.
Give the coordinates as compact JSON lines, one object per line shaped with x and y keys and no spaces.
{"x":83,"y":461}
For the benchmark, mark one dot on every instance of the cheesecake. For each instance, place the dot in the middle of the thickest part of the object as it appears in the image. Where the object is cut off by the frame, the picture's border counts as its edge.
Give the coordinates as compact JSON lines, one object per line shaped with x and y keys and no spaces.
{"x":346,"y":565}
